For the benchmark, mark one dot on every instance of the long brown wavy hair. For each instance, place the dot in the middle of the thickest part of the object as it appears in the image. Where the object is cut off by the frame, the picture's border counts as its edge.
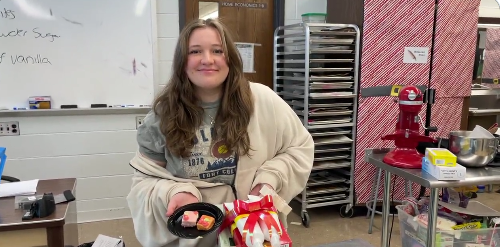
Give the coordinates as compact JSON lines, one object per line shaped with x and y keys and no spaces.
{"x":179,"y":108}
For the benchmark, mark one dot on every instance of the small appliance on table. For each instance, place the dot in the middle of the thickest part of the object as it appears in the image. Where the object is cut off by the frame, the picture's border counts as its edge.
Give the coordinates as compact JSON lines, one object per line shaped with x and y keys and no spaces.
{"x":407,"y":134}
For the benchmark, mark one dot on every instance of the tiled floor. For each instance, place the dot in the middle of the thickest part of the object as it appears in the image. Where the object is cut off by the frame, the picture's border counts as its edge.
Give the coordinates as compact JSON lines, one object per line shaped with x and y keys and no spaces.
{"x":326,"y":227}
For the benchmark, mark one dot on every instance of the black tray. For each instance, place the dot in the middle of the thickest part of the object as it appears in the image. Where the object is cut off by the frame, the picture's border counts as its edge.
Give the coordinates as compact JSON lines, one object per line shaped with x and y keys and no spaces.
{"x":175,"y":220}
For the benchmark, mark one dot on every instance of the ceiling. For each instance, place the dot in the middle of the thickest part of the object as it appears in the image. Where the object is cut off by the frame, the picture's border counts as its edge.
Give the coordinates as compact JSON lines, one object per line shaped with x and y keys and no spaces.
{"x":207,"y":8}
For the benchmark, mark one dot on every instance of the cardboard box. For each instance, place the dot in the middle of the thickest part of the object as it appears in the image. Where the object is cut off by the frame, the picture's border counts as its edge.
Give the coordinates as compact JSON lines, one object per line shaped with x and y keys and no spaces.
{"x":443,"y":172}
{"x":40,"y":102}
{"x":441,"y":157}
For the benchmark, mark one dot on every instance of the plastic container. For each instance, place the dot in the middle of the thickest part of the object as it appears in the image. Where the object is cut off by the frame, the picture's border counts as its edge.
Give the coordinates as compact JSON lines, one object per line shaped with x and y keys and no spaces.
{"x":314,"y":18}
{"x":3,"y":159}
{"x":414,"y":234}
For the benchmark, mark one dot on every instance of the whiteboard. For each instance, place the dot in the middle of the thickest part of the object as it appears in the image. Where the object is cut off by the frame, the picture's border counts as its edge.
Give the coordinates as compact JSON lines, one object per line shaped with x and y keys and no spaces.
{"x":77,"y":51}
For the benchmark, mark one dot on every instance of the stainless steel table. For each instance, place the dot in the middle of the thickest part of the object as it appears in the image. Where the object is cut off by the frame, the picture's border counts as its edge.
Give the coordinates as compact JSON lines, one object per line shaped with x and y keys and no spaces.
{"x":474,"y":176}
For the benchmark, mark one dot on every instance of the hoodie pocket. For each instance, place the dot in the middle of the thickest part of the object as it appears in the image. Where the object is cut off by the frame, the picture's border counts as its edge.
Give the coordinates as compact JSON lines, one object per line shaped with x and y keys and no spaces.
{"x":243,"y":181}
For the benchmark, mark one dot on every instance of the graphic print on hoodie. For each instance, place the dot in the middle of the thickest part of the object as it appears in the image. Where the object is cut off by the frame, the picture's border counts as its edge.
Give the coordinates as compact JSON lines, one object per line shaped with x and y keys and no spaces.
{"x":210,"y":160}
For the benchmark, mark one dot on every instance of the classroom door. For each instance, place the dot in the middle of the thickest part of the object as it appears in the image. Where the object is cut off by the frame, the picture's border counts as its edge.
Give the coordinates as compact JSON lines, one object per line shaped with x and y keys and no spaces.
{"x":251,"y":23}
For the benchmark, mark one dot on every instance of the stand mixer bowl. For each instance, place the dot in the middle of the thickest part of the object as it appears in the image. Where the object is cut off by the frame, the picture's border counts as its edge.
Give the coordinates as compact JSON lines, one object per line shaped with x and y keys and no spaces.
{"x":472,"y":152}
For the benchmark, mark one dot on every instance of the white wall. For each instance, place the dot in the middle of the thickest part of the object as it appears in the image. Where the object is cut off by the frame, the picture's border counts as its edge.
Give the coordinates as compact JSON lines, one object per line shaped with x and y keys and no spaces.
{"x":96,"y":149}
{"x":489,"y":8}
{"x":295,"y":8}
{"x":168,"y":32}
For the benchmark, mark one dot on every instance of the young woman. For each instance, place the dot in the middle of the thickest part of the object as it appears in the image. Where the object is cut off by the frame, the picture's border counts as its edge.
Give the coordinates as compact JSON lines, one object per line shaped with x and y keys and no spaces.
{"x":212,"y":136}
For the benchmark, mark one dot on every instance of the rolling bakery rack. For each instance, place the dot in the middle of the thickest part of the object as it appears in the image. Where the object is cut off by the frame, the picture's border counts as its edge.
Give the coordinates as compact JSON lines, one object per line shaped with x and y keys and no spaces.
{"x":316,"y":73}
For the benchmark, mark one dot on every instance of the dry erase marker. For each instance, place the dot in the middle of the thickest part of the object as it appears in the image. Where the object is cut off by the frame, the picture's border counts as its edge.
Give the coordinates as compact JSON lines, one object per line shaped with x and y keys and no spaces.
{"x":19,"y":108}
{"x":144,"y":105}
{"x":116,"y":106}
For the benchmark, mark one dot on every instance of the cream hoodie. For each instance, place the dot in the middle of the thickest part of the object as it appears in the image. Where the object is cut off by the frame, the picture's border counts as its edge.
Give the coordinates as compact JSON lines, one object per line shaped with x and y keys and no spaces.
{"x":282,"y":157}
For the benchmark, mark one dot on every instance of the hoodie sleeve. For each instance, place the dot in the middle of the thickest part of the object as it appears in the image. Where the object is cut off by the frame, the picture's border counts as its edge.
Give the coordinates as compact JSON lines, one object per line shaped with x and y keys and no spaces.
{"x":148,"y":202}
{"x":290,"y":168}
{"x":150,"y":139}
{"x":149,"y":196}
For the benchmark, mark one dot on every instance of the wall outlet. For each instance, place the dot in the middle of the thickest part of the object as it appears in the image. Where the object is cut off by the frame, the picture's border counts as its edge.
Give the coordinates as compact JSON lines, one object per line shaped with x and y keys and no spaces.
{"x":9,"y":128}
{"x":138,"y":121}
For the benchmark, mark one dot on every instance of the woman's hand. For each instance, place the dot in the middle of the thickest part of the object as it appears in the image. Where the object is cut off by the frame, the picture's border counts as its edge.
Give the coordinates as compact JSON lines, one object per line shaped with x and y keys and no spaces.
{"x":179,"y":200}
{"x":256,"y":190}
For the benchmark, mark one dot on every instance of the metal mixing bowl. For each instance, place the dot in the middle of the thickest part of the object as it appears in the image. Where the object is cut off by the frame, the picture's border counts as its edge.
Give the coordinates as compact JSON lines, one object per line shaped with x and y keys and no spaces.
{"x":472,"y":152}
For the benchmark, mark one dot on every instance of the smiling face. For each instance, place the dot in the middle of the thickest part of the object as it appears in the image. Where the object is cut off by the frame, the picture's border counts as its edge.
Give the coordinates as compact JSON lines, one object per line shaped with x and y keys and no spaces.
{"x":206,"y":65}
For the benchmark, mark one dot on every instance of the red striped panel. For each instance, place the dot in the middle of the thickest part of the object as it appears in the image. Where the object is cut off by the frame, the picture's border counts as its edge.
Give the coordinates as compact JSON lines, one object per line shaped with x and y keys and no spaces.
{"x":386,"y":32}
{"x":491,"y":67}
{"x":377,"y":116}
{"x":389,"y":27}
{"x":455,"y":47}
{"x":446,"y":115}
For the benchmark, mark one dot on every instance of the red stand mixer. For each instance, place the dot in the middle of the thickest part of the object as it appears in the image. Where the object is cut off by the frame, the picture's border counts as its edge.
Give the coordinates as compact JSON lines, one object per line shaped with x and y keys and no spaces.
{"x":407,"y":136}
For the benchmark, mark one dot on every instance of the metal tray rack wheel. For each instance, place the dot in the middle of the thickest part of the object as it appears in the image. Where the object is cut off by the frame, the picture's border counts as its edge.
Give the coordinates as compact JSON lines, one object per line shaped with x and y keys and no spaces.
{"x":306,"y":221}
{"x":346,"y":211}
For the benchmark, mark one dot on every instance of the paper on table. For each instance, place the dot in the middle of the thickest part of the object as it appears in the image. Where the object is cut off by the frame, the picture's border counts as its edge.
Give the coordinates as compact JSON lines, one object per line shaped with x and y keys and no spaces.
{"x":23,"y":188}
{"x":105,"y":241}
